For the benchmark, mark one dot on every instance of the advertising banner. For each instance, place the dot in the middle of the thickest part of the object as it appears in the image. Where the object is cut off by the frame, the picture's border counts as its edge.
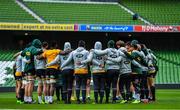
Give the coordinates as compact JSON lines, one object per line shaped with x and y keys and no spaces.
{"x":37,"y":27}
{"x":106,"y":28}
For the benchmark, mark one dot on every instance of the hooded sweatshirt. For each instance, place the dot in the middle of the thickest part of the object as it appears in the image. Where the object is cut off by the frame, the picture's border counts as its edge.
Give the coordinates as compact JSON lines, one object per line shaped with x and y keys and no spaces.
{"x":39,"y":63}
{"x":112,"y":53}
{"x":18,"y":62}
{"x":124,"y":62}
{"x":96,"y":60}
{"x":141,"y":59}
{"x":29,"y":53}
{"x":77,"y":56}
{"x":62,"y":58}
{"x":151,"y":58}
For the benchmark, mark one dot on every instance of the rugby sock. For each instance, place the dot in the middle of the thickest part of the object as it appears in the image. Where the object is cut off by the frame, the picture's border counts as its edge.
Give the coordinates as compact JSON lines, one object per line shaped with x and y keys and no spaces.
{"x":50,"y":99}
{"x":65,"y":96}
{"x":134,"y":95}
{"x":114,"y":94}
{"x":142,"y":94}
{"x":101,"y":96}
{"x":58,"y":93}
{"x":69,"y":95}
{"x":107,"y":95}
{"x":123,"y":95}
{"x":127,"y":96}
{"x":78,"y":94}
{"x":40,"y":99}
{"x":46,"y":98}
{"x":21,"y":93}
{"x":146,"y":93}
{"x":96,"y":96}
{"x":25,"y":98}
{"x":131,"y":95}
{"x":137,"y":96}
{"x":84,"y":95}
{"x":153,"y":93}
{"x":29,"y":99}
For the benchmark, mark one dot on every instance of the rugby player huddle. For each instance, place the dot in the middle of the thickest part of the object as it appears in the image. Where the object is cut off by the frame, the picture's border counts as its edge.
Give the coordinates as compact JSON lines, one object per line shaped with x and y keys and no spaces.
{"x":128,"y":68}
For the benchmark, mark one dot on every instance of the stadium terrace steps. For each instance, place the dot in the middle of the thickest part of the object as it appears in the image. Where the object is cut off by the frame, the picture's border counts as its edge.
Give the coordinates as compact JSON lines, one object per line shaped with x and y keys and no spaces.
{"x":82,"y":13}
{"x":169,"y":67}
{"x":11,"y":12}
{"x":6,"y":61}
{"x":7,"y":55}
{"x":158,"y":12}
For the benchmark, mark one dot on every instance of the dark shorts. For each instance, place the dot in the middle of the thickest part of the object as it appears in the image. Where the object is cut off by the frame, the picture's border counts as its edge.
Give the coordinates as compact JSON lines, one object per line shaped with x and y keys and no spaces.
{"x":29,"y":73}
{"x":89,"y":76}
{"x":152,"y":75}
{"x":51,"y":73}
{"x":135,"y":76}
{"x":18,"y":78}
{"x":40,"y":73}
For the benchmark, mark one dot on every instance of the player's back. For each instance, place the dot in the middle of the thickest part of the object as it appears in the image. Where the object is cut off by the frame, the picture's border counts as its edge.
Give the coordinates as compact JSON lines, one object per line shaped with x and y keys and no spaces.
{"x":79,"y":55}
{"x":50,"y":55}
{"x":112,"y":53}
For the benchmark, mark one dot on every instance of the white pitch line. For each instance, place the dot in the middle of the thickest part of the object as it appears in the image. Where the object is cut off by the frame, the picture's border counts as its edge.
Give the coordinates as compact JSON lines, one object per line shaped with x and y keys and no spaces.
{"x":132,"y":13}
{"x":30,"y":11}
{"x":77,"y":2}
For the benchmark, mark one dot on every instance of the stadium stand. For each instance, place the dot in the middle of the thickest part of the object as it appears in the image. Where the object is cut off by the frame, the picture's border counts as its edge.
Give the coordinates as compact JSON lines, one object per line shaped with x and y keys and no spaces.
{"x":82,"y":13}
{"x":6,"y":64}
{"x":169,"y":67}
{"x":11,"y":12}
{"x":150,"y":10}
{"x":155,"y":10}
{"x":7,"y":55}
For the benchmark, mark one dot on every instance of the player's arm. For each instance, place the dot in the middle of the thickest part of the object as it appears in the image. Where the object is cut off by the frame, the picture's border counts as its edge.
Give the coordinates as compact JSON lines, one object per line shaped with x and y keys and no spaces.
{"x":97,"y":63}
{"x":23,"y":53}
{"x":89,"y":58}
{"x":41,"y":56}
{"x":116,"y":60}
{"x":154,"y":57}
{"x":14,"y":65}
{"x":26,"y":61}
{"x":69,"y":59}
{"x":17,"y":54}
{"x":65,"y":52}
{"x":136,"y":64}
{"x":55,"y":61}
{"x":101,"y":52}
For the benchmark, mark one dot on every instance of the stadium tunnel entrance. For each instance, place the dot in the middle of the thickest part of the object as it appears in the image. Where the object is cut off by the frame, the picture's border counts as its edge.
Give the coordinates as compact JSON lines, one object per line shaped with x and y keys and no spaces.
{"x":158,"y":41}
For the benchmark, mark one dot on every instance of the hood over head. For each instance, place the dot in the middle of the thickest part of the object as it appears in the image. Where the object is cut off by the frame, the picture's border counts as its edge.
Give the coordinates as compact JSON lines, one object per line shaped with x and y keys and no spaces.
{"x":67,"y":45}
{"x":98,"y":45}
{"x":37,"y":43}
{"x":111,"y":44}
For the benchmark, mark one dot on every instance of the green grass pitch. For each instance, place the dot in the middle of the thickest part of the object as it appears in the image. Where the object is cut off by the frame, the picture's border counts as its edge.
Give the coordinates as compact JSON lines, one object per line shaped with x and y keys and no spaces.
{"x":166,"y":99}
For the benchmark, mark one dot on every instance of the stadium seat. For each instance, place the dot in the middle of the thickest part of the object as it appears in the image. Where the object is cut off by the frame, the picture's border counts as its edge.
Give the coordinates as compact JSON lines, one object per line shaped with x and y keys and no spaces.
{"x":11,"y":12}
{"x":82,"y":13}
{"x":158,"y":12}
